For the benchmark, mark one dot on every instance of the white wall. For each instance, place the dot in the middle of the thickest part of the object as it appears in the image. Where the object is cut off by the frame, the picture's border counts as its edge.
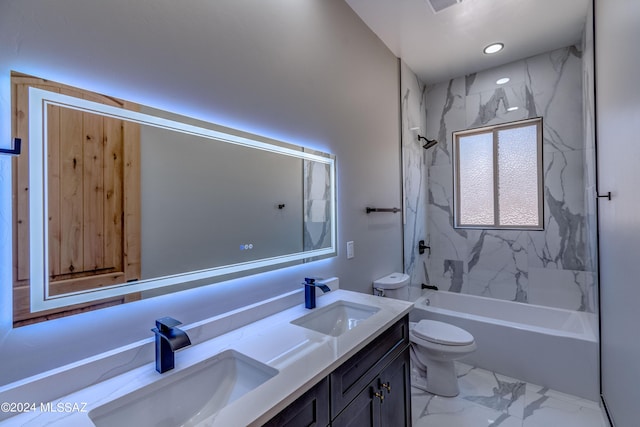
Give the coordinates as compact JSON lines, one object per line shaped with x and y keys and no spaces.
{"x":304,"y":71}
{"x":617,"y":32}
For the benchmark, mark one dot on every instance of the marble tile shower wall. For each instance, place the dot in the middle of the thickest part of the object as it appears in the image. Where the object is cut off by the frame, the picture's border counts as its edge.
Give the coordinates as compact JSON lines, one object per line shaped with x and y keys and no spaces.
{"x":590,"y":190}
{"x":415,"y":176}
{"x":553,"y":267}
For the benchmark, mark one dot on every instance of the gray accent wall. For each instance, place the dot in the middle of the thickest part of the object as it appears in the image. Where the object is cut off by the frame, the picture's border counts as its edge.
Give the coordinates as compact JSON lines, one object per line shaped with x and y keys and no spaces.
{"x":554,"y":267}
{"x":307,"y":72}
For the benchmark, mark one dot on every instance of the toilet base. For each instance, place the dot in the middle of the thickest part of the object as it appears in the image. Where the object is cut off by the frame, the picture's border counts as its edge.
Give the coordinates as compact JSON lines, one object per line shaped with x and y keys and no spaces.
{"x":418,"y":378}
{"x":441,"y":378}
{"x":435,"y":376}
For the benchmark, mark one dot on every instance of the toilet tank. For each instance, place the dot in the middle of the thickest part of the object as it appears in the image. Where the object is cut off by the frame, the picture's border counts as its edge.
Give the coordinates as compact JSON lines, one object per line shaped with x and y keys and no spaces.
{"x":394,"y":285}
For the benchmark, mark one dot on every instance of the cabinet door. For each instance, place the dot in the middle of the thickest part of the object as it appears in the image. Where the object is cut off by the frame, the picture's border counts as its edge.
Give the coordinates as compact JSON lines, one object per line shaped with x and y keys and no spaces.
{"x":348,"y":380}
{"x":310,"y":409}
{"x":385,"y":402}
{"x":363,"y":411}
{"x":394,"y":382}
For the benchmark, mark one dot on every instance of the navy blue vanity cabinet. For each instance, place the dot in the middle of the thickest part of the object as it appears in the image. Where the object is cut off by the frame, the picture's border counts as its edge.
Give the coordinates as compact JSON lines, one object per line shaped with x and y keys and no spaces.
{"x":350,"y":378}
{"x":385,"y":402}
{"x":310,"y":409}
{"x":395,"y":381}
{"x":372,"y":388}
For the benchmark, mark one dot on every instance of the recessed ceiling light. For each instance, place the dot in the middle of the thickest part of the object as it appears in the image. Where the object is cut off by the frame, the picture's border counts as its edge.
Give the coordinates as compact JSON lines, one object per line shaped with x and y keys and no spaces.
{"x":512,"y":108}
{"x":493,"y":48}
{"x":503,"y":80}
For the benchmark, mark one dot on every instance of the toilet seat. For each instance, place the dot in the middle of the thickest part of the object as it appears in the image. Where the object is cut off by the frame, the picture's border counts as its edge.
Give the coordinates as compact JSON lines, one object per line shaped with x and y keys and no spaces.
{"x":442,"y":333}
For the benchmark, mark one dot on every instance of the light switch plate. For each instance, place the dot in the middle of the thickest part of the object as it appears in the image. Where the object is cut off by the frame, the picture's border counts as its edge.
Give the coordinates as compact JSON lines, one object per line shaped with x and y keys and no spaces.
{"x":350,"y":250}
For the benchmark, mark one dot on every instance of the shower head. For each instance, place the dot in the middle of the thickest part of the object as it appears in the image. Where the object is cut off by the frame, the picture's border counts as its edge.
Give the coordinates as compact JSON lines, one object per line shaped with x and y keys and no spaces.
{"x":430,"y":142}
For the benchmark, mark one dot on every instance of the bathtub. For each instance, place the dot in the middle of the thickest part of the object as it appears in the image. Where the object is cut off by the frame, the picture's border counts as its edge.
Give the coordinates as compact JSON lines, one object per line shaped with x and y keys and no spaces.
{"x":547,"y":346}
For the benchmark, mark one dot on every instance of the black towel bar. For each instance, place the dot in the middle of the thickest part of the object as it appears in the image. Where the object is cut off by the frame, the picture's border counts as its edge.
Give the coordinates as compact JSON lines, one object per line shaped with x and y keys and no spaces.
{"x":394,"y":210}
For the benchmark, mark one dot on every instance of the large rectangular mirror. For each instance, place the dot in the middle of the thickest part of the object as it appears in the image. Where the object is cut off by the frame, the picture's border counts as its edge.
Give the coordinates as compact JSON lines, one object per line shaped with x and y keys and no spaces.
{"x":125,"y":200}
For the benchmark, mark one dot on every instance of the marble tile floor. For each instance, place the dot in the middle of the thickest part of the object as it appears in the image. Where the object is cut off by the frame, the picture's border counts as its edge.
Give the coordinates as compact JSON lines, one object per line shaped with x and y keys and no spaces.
{"x":490,"y":399}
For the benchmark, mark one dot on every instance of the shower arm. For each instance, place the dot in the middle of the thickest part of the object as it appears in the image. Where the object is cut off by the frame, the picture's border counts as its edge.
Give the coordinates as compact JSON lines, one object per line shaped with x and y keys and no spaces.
{"x":430,"y":142}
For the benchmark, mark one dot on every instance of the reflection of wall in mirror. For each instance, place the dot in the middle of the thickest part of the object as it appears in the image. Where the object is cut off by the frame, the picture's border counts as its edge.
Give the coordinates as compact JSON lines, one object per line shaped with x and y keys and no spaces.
{"x":209,"y":203}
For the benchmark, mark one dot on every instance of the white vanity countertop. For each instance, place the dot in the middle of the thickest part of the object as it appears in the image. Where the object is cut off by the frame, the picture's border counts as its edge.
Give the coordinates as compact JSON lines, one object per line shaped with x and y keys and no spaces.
{"x":302,"y":357}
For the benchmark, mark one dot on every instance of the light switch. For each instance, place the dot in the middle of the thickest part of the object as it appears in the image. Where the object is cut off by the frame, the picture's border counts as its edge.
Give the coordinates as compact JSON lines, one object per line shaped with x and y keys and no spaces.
{"x":350,"y":250}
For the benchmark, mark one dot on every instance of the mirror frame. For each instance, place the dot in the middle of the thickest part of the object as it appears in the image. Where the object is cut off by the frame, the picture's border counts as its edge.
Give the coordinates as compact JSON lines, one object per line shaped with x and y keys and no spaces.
{"x":40,"y":298}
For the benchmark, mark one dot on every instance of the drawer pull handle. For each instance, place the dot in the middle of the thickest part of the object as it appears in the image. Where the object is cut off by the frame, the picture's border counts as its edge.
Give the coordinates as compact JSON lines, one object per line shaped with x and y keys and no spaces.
{"x":379,"y":395}
{"x":387,"y":386}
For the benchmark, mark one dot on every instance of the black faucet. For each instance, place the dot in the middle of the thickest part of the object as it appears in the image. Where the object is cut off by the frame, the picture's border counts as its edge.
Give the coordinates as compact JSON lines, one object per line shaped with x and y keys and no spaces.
{"x":168,"y":340}
{"x":310,"y":286}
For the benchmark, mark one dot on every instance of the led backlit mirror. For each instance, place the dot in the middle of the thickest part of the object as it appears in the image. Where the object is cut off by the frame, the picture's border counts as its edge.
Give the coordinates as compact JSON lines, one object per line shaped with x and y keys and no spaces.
{"x":125,"y":200}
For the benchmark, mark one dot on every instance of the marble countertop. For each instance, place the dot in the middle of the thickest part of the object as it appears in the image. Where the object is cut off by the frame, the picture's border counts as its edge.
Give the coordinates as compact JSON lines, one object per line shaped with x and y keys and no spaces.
{"x":302,"y":357}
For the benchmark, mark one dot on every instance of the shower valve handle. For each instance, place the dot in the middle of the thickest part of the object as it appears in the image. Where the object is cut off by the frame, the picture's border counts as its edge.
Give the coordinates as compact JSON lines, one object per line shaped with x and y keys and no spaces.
{"x":422,"y":247}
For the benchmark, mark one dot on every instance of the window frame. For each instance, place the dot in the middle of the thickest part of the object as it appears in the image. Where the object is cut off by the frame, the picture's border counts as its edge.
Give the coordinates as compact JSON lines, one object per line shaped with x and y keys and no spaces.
{"x":494,"y":130}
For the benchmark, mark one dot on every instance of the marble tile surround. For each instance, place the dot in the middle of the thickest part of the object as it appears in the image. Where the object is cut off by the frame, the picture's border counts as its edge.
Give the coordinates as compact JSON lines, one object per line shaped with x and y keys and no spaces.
{"x":490,"y":399}
{"x":414,"y":160}
{"x":553,"y":267}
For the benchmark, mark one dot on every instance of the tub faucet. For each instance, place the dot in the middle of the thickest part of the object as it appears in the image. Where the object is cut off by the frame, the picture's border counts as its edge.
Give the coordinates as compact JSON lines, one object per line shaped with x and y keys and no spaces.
{"x":168,"y":340}
{"x":310,"y":286}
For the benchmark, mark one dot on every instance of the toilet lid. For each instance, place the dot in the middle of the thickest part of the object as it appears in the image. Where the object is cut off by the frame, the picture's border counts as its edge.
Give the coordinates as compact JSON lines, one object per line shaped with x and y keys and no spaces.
{"x":442,"y":333}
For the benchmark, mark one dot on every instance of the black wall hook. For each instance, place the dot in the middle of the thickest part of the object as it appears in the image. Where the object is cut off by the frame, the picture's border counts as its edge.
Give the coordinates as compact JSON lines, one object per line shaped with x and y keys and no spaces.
{"x":17,"y":142}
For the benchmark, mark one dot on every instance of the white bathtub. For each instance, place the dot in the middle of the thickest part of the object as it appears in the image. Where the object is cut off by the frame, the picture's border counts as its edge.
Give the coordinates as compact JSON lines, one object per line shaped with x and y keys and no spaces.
{"x":551,"y":347}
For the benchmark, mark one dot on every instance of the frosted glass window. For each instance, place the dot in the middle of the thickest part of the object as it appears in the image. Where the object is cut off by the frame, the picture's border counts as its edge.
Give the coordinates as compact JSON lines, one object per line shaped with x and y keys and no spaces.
{"x":518,"y":176}
{"x":476,"y":179}
{"x":498,"y":177}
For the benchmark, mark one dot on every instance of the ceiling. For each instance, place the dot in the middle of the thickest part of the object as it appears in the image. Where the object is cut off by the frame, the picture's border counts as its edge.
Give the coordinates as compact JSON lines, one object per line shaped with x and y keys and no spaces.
{"x":440,"y":46}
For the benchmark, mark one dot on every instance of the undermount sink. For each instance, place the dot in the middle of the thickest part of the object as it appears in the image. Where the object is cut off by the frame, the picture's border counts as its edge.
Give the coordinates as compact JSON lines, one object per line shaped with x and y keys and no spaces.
{"x":336,"y":318}
{"x":186,"y":397}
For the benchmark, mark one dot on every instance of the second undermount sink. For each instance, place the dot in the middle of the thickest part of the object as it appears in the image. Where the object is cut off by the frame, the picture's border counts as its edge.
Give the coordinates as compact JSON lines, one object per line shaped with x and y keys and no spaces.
{"x":186,"y":397}
{"x":336,"y":318}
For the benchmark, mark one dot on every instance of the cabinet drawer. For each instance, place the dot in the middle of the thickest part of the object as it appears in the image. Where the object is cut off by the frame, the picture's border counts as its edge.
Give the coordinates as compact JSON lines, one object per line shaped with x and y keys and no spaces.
{"x":310,"y":409}
{"x":352,"y":377}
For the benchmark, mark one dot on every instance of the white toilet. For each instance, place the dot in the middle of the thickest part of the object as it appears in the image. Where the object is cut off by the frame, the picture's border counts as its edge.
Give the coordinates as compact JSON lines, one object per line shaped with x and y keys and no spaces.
{"x":394,"y":285}
{"x":434,"y":345}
